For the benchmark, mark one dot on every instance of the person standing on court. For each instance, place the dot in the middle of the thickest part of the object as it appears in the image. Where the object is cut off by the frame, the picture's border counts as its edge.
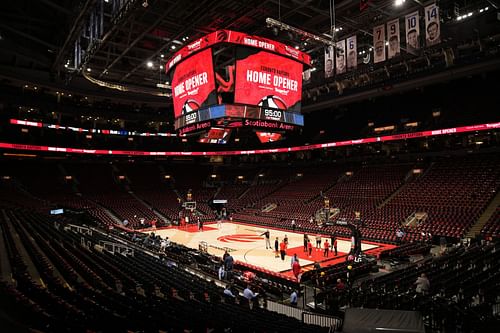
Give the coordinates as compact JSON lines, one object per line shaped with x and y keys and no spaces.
{"x":276,"y":248}
{"x":267,"y":235}
{"x":327,"y":248}
{"x":318,"y":242}
{"x":309,"y":247}
{"x":283,"y":249}
{"x":335,"y":245}
{"x":306,"y":239}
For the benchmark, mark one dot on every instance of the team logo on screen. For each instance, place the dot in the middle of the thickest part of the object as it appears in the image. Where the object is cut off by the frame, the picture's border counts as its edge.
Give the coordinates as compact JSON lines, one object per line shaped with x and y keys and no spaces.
{"x":271,"y":101}
{"x":189,"y":106}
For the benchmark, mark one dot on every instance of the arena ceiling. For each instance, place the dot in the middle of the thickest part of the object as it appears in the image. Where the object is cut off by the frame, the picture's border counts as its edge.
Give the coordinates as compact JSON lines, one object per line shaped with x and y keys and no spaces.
{"x":40,"y":34}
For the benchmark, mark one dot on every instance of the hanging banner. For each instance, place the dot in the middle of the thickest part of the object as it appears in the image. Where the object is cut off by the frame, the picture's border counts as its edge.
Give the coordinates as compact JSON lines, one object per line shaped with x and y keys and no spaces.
{"x":329,"y":61}
{"x":432,"y":26}
{"x":306,"y":76}
{"x":393,"y":38}
{"x":340,"y":57}
{"x":352,"y":53}
{"x":379,"y":43}
{"x":412,"y":32}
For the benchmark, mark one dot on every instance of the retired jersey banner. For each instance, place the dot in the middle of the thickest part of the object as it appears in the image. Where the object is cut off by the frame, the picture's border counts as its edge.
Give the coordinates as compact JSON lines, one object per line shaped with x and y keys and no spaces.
{"x":412,"y":32}
{"x":352,"y":53}
{"x":393,"y":38}
{"x":306,"y":76}
{"x":379,"y":43}
{"x":340,"y":57}
{"x":329,"y":66}
{"x":432,"y":26}
{"x":193,"y":83}
{"x":267,"y":80}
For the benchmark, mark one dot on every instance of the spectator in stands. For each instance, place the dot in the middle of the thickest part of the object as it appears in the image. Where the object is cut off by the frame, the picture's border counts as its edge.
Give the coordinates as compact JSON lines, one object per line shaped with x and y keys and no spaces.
{"x":228,"y":262}
{"x":249,"y":295}
{"x":228,"y":292}
{"x":340,"y":285}
{"x":222,"y":273}
{"x":283,"y":249}
{"x":267,"y":236}
{"x":318,"y":242}
{"x":293,"y":298}
{"x":293,"y":225}
{"x":309,"y":247}
{"x":306,"y":239}
{"x":276,"y":247}
{"x":125,"y":222}
{"x":163,"y":244}
{"x":327,"y":249}
{"x":423,"y":284}
{"x":399,"y":235}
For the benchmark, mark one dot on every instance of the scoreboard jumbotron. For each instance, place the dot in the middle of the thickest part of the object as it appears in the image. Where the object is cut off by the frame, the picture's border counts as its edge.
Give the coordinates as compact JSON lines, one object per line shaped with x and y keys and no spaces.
{"x":257,"y":85}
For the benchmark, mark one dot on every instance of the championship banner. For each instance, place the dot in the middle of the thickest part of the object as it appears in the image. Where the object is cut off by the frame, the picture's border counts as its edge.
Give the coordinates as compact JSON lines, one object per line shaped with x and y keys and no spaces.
{"x":329,"y":61}
{"x":340,"y":57}
{"x":379,"y":43}
{"x":193,"y":84}
{"x":352,"y":53}
{"x":393,"y":37}
{"x":267,"y":80}
{"x":412,"y":32}
{"x":432,"y":26}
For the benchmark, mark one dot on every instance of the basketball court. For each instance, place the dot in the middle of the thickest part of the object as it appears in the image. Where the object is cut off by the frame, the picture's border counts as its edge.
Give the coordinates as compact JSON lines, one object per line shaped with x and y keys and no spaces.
{"x":247,"y":245}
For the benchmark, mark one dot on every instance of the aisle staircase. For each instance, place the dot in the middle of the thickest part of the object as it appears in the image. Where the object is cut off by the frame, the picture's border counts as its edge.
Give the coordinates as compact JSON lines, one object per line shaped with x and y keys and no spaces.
{"x":483,"y":219}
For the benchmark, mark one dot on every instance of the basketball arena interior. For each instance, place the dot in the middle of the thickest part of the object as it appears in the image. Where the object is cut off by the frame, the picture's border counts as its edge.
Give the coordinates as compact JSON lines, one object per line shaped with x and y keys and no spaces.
{"x":205,"y":166}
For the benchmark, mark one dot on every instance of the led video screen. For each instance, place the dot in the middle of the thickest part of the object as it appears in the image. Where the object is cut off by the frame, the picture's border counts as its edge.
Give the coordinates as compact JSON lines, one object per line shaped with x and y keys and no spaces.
{"x":265,"y":137}
{"x":216,"y":135}
{"x":193,"y":83}
{"x":267,"y":80}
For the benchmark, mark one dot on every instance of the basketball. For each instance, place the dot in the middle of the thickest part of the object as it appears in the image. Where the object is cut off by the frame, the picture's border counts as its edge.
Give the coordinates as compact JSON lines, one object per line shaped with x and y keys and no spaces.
{"x":189,"y":106}
{"x":274,"y":102}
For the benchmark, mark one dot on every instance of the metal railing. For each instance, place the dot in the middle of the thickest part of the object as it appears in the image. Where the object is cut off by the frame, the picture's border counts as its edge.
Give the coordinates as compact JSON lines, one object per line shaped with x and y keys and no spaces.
{"x":304,"y":316}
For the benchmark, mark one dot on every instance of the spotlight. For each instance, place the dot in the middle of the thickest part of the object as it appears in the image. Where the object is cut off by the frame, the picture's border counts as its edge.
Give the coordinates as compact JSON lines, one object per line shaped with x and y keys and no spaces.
{"x":398,"y":2}
{"x":150,"y":64}
{"x":145,"y":4}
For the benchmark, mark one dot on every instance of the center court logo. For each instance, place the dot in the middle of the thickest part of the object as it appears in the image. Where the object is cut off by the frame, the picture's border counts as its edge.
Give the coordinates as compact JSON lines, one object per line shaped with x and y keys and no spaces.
{"x":242,"y":238}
